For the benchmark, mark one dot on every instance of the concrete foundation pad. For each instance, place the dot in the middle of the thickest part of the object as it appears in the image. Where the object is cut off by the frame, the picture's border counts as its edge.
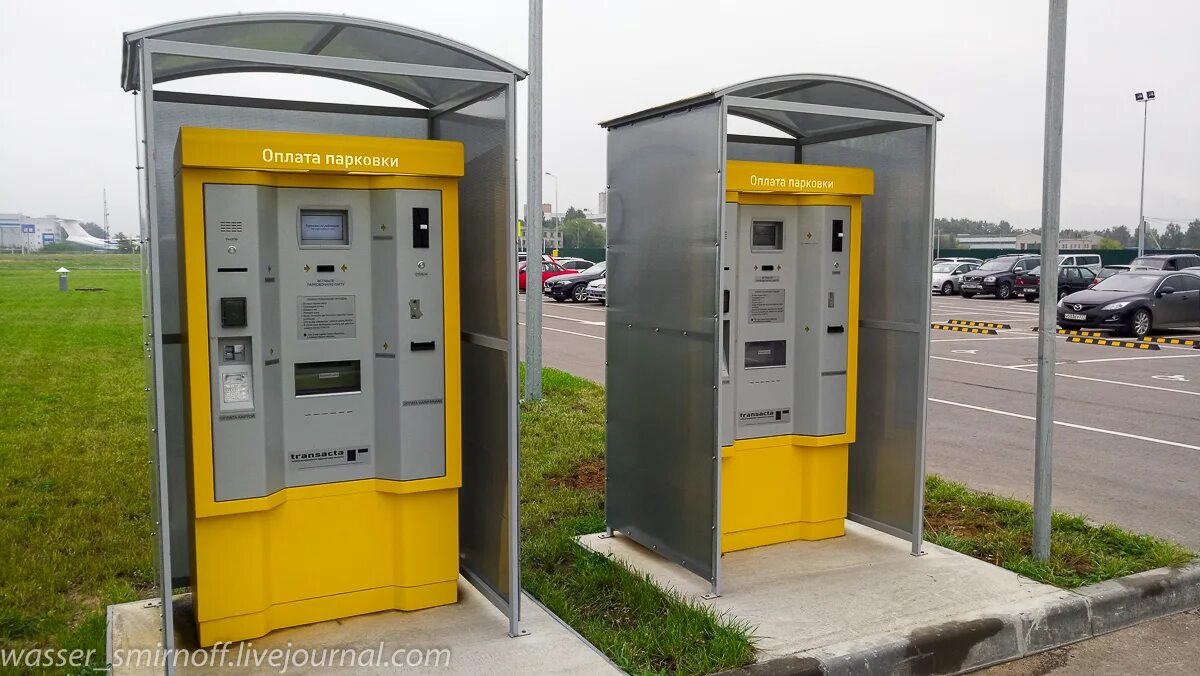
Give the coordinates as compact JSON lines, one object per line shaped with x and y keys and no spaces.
{"x":473,"y":630}
{"x":862,"y":604}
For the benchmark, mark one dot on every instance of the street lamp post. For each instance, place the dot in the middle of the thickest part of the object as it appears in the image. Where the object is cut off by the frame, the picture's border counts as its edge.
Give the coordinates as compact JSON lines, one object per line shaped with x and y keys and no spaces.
{"x":1145,"y":100}
{"x":557,"y":221}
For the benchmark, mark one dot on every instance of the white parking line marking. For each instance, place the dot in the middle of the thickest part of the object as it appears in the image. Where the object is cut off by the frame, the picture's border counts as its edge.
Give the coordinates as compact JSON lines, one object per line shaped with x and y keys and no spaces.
{"x":1157,"y":356}
{"x":574,"y":319}
{"x":573,"y":306}
{"x":1020,"y":368}
{"x":573,"y":333}
{"x":951,"y":340}
{"x":1114,"y":433}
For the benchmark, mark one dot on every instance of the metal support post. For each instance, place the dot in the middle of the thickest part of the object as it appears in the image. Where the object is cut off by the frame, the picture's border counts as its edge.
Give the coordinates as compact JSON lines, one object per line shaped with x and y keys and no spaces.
{"x":533,"y":225}
{"x":1056,"y":57}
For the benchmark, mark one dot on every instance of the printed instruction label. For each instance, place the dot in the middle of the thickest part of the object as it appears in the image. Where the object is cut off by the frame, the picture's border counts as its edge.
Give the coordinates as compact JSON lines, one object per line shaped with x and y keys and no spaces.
{"x":326,"y":317}
{"x":766,"y":306}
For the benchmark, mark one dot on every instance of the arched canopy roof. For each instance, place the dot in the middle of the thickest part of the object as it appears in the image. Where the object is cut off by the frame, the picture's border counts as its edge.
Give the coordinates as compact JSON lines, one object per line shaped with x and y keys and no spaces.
{"x":358,"y":50}
{"x":794,"y":104}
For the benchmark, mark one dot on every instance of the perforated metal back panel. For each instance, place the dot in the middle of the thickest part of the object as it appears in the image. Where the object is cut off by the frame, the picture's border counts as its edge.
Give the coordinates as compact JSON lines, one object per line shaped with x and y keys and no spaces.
{"x":664,"y":205}
{"x":488,"y":260}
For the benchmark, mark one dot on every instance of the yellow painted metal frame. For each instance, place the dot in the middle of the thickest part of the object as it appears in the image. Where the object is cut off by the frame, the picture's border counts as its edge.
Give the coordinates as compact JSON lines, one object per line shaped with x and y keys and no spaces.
{"x":793,"y":487}
{"x":293,"y":557}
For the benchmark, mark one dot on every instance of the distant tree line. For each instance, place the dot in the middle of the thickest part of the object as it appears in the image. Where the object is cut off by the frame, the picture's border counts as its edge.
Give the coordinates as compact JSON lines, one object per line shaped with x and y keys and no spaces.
{"x":1172,"y":236}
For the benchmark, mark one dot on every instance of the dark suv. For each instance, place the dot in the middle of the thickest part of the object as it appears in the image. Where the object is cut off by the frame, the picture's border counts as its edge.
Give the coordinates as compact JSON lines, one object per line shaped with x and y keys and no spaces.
{"x":1166,"y":262}
{"x":998,"y":276}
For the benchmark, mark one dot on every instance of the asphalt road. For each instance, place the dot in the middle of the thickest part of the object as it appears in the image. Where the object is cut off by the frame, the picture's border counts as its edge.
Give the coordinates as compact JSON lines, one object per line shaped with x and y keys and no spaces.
{"x":1127,"y":442}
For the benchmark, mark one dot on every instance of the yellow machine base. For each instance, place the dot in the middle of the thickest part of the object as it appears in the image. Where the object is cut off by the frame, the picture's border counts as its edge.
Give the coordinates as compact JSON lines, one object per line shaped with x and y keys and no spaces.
{"x":309,"y":611}
{"x":319,"y":556}
{"x":780,"y":489}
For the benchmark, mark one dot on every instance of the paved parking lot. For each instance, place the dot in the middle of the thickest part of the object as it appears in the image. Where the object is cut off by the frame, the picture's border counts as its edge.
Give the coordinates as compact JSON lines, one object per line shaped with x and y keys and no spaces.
{"x":1127,"y":439}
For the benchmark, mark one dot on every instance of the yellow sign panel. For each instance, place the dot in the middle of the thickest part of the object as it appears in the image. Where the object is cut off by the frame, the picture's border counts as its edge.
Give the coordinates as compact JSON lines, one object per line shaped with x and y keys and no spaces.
{"x":324,"y":153}
{"x":810,"y":179}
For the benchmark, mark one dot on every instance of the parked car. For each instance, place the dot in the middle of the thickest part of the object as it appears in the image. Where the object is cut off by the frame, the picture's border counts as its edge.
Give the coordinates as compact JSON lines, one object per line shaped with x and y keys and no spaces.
{"x":549,"y":269}
{"x":947,"y":276}
{"x":598,"y":290}
{"x":1135,"y":302}
{"x":1091,"y":261}
{"x":547,"y":258}
{"x":574,"y":286}
{"x":1071,"y":278}
{"x":998,"y":276}
{"x":976,"y":261}
{"x":1108,"y":271}
{"x":1166,"y":262}
{"x":576,"y":264}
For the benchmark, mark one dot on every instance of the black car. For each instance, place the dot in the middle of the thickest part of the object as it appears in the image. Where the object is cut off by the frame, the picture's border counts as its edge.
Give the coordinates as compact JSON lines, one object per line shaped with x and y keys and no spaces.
{"x":574,"y":286}
{"x":998,"y":276}
{"x":1071,"y":278}
{"x":1166,"y":262}
{"x":1108,"y":271}
{"x":1134,"y":302}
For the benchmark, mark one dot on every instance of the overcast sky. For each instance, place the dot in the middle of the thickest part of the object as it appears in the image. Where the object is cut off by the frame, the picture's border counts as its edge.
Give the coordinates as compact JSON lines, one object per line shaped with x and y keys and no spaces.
{"x":66,"y":128}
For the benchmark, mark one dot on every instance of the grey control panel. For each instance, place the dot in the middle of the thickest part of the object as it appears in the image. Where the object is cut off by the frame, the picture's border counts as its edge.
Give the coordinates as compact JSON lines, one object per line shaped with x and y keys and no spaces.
{"x":784,"y":320}
{"x":326,"y":336}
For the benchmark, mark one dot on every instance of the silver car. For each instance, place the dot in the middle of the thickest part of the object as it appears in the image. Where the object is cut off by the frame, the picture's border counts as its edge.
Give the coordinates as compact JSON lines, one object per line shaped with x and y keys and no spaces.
{"x":597,"y":289}
{"x":947,"y":276}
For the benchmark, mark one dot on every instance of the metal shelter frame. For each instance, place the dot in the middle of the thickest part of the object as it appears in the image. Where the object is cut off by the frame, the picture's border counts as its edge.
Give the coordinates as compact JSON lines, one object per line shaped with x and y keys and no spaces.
{"x":468,"y":96}
{"x":666,"y":182}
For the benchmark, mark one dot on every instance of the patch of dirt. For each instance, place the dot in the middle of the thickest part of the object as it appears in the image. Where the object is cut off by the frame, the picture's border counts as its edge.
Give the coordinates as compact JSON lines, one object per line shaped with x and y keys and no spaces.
{"x":587,"y":475}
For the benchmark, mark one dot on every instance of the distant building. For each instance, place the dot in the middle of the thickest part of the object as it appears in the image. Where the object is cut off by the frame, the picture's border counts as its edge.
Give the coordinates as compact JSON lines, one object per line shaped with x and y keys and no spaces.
{"x":1025,"y":240}
{"x":552,"y":237}
{"x":986,"y":242}
{"x":19,"y":232}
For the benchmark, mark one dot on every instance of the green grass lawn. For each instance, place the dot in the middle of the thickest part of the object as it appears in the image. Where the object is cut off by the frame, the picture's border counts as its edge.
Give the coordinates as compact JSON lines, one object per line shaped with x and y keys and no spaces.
{"x":74,"y":494}
{"x":641,"y":627}
{"x":999,"y":530}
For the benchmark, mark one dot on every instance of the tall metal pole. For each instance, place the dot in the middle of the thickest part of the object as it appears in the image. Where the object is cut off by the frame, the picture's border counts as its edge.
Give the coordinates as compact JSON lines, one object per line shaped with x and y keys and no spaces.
{"x":533,"y":257}
{"x":1142,"y":193}
{"x":1056,"y":62}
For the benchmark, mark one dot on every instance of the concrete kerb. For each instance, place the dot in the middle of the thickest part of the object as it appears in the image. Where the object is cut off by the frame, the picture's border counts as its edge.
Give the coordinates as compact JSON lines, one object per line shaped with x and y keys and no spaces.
{"x":1001,"y":634}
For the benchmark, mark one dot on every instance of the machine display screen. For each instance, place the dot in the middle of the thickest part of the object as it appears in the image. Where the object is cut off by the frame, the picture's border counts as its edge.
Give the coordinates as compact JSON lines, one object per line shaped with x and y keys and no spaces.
{"x":766,"y":236}
{"x":328,"y":377}
{"x":325,"y":226}
{"x":766,"y":353}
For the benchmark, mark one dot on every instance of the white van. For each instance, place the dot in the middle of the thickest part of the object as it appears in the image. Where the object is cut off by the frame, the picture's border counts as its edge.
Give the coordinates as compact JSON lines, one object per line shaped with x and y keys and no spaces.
{"x":1086,"y":260}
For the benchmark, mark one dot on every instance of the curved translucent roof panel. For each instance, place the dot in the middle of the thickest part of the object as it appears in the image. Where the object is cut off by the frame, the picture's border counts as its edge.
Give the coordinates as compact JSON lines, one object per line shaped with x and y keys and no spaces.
{"x":768,"y":100}
{"x":358,"y":50}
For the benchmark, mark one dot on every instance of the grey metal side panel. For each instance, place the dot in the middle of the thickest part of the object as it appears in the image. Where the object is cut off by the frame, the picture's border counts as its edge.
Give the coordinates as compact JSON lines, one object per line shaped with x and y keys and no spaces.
{"x":160,"y":488}
{"x":163,"y":132}
{"x":761,"y":152}
{"x":487,"y":255}
{"x":887,"y":460}
{"x":664,"y":196}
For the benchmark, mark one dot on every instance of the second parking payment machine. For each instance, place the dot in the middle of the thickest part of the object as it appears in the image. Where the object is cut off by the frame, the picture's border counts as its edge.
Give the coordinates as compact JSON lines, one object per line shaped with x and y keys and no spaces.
{"x":766,"y":332}
{"x":319,"y":279}
{"x":789,"y":359}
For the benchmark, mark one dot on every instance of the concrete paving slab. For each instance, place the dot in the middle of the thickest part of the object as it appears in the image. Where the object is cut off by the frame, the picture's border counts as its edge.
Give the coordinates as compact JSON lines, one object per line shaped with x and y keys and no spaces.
{"x":473,"y":632}
{"x":803,"y":596}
